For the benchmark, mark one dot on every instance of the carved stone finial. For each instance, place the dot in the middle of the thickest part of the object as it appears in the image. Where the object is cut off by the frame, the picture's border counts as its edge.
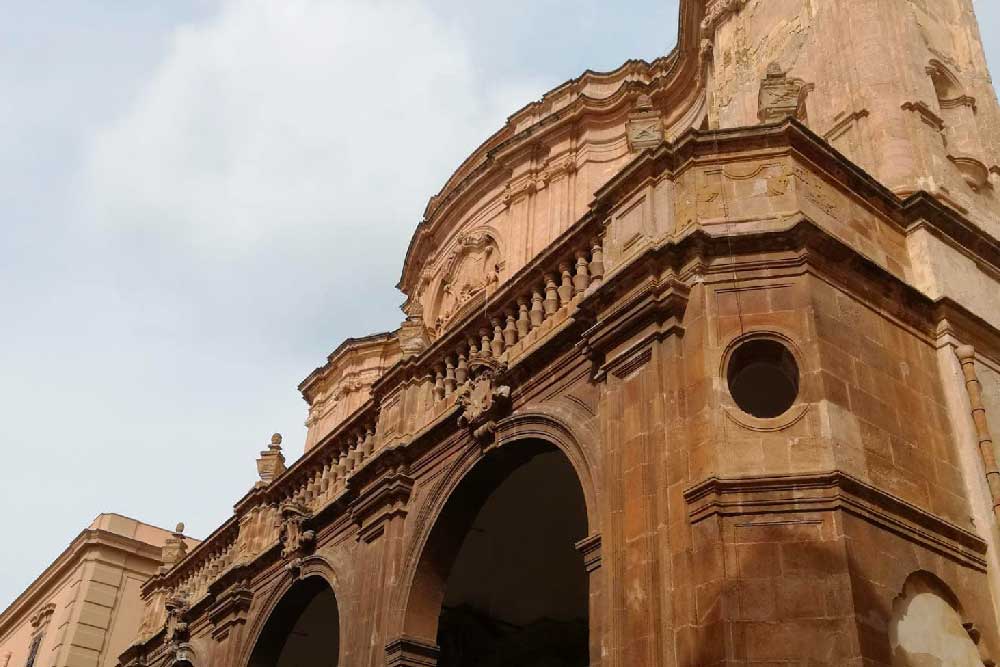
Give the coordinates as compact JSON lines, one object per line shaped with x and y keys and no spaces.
{"x":781,"y":96}
{"x":271,"y":462}
{"x":174,"y":548}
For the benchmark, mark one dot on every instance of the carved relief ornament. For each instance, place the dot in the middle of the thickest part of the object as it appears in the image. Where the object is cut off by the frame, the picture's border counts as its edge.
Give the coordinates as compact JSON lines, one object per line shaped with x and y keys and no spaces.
{"x":483,"y":397}
{"x":717,"y":12}
{"x":471,"y":269}
{"x":644,"y":126}
{"x":781,"y":96}
{"x":295,"y":539}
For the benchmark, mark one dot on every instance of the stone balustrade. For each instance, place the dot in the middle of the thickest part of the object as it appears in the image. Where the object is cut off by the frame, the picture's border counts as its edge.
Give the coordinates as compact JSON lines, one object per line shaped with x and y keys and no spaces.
{"x":513,"y":321}
{"x":513,"y":326}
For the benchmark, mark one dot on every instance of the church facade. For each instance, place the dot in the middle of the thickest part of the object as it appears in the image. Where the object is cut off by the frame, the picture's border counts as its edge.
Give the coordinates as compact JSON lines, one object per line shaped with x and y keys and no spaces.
{"x":698,"y":367}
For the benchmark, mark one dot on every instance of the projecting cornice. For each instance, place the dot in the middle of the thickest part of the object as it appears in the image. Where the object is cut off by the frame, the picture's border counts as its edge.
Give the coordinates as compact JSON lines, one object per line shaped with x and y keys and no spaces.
{"x":88,"y":542}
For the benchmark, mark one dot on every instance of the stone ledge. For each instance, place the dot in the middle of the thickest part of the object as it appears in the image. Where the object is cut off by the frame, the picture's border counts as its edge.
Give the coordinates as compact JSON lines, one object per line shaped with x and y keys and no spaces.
{"x":832,"y":491}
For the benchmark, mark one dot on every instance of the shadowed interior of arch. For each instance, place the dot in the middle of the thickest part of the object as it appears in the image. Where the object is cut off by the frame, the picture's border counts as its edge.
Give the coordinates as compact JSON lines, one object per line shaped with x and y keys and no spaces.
{"x":510,"y":585}
{"x":303,"y":630}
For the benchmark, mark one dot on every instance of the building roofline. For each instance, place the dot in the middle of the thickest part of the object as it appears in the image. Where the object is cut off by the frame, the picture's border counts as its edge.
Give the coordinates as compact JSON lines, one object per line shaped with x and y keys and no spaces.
{"x":22,"y":606}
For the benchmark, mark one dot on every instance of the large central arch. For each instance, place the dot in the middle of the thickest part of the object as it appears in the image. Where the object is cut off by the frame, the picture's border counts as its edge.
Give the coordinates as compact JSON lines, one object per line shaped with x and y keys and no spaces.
{"x":499,"y":579}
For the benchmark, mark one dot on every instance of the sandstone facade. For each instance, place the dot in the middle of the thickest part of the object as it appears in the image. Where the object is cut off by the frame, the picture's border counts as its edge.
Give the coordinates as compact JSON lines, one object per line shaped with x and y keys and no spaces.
{"x":84,"y":609}
{"x":698,"y":365}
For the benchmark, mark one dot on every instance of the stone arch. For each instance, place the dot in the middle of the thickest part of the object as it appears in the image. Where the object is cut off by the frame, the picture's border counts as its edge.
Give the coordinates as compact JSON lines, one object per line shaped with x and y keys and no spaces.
{"x":926,"y":626}
{"x":467,"y":485}
{"x":946,"y":85}
{"x":285,"y":605}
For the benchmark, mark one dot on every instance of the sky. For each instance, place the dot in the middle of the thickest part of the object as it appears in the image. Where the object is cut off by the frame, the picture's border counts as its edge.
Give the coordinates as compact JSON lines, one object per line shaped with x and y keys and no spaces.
{"x":202,"y":198}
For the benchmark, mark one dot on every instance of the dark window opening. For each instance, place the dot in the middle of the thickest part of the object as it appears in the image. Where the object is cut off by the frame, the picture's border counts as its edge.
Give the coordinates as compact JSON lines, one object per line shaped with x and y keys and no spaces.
{"x":763,"y":378}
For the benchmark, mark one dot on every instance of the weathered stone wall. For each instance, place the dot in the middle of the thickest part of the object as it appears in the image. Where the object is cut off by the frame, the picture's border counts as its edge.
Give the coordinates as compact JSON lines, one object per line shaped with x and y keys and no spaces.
{"x":872,"y":89}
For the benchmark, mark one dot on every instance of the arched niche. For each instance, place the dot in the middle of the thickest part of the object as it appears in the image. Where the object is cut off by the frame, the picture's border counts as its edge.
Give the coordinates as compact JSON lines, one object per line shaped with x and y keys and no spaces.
{"x":303,"y":628}
{"x":958,"y":125}
{"x":926,"y":627}
{"x":500,"y":579}
{"x":470,"y":270}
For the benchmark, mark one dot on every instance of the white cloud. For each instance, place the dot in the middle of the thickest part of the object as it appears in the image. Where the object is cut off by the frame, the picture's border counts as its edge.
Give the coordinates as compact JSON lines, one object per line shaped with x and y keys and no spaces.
{"x":295,"y":118}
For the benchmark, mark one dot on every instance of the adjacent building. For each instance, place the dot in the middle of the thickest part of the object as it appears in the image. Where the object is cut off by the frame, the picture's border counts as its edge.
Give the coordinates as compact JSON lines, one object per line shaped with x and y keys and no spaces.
{"x":85,"y":608}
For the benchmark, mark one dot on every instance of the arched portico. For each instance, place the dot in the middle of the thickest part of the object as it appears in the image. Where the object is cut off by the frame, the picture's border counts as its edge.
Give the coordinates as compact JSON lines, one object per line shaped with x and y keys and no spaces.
{"x":301,"y":627}
{"x":498,"y":564}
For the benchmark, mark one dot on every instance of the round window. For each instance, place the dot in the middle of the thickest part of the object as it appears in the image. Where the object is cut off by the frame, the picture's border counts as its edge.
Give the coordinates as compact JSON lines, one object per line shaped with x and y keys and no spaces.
{"x":763,"y":377}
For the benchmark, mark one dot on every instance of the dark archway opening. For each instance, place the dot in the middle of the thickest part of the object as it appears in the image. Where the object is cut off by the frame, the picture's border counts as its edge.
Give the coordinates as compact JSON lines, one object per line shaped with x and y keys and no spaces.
{"x":515,"y":587}
{"x":303,"y":630}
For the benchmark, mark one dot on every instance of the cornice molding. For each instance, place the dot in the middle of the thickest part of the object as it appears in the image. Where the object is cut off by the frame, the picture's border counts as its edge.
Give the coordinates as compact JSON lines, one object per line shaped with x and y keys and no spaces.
{"x":830,"y":491}
{"x":87,"y":541}
{"x":667,"y":80}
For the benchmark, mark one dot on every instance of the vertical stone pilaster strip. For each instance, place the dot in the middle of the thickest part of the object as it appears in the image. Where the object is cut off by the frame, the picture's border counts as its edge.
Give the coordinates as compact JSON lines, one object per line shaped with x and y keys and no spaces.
{"x":967,"y":357}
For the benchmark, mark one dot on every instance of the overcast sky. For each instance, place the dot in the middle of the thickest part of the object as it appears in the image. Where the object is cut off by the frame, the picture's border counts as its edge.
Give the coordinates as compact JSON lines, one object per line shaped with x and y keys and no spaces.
{"x":201,"y":199}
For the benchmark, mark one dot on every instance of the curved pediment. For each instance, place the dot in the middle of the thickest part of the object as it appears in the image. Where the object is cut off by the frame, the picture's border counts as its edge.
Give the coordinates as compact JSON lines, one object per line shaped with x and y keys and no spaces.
{"x":468,"y":273}
{"x":537,"y":174}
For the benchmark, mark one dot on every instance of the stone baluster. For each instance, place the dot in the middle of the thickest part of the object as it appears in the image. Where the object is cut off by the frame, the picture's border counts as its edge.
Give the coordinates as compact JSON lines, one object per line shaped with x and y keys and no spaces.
{"x":486,"y":349}
{"x":309,"y":488}
{"x":596,"y":262}
{"x":324,"y":489}
{"x":537,"y":313}
{"x":369,"y":440}
{"x":439,"y":390}
{"x":551,"y":303}
{"x":462,"y":369}
{"x":497,"y":344}
{"x":360,"y":447}
{"x":523,"y":319}
{"x":510,"y":334}
{"x":582,"y":278}
{"x":317,"y":480}
{"x":342,"y":467}
{"x":473,"y":347}
{"x":352,"y":456}
{"x":449,"y":376}
{"x":566,"y":288}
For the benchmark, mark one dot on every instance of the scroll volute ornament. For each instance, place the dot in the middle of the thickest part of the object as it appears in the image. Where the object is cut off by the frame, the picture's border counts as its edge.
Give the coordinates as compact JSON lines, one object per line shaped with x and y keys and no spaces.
{"x":295,"y":539}
{"x":781,"y":96}
{"x":484,"y":397}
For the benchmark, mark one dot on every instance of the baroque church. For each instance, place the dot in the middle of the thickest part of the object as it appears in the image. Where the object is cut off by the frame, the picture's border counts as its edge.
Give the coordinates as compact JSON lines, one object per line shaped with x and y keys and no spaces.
{"x":698,"y":367}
